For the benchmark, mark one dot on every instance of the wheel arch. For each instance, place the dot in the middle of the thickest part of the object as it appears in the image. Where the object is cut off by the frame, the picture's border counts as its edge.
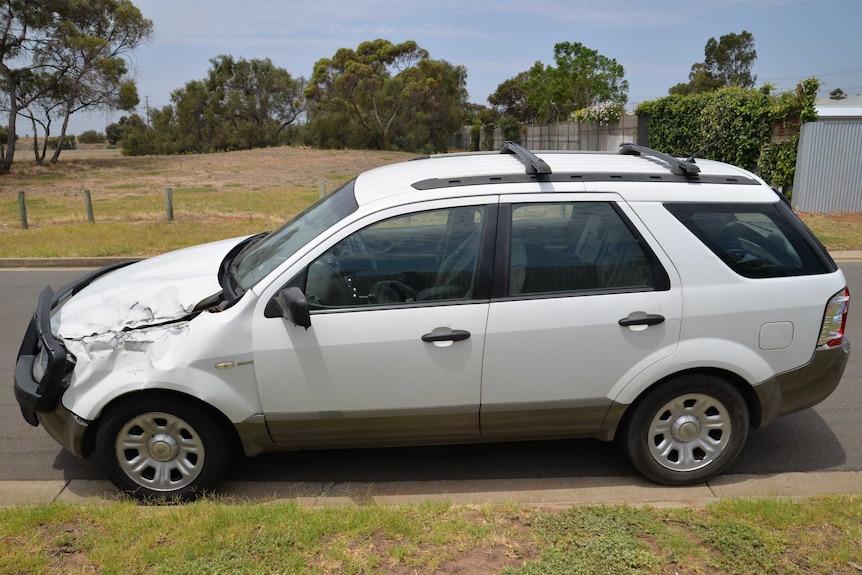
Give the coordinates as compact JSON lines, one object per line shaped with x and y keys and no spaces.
{"x":752,"y":402}
{"x":88,"y":443}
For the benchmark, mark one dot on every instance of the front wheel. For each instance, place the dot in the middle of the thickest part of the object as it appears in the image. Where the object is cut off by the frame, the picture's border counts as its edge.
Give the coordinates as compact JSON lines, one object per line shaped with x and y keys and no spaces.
{"x":687,"y":431}
{"x":161,"y":449}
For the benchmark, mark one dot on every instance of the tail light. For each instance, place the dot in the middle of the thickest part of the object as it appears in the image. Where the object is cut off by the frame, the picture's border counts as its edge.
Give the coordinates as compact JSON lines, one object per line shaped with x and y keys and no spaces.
{"x":834,"y":319}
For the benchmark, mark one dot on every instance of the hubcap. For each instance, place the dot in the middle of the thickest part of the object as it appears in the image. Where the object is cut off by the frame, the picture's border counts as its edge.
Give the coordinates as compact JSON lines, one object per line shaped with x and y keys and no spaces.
{"x":160,"y":451}
{"x":163,"y":447}
{"x":686,"y":428}
{"x":689,"y":432}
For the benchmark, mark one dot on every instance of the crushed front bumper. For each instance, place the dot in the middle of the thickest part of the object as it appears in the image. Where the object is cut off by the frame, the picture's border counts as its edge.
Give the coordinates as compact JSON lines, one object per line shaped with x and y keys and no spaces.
{"x":44,"y":367}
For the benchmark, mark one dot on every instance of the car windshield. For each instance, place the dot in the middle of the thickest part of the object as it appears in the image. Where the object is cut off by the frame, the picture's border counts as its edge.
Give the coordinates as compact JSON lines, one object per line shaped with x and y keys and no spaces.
{"x":259,"y":259}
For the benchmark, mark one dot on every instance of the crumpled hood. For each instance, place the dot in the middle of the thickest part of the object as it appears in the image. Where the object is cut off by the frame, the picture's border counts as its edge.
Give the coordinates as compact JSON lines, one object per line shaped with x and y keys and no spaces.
{"x":156,"y":290}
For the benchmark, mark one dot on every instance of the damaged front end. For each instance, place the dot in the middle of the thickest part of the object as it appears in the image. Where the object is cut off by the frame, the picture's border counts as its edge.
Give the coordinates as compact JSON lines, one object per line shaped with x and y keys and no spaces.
{"x":44,"y":367}
{"x":127,"y":328}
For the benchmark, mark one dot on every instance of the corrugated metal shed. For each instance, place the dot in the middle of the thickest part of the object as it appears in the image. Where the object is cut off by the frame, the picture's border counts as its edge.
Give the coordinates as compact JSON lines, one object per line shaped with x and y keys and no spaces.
{"x":829,"y":167}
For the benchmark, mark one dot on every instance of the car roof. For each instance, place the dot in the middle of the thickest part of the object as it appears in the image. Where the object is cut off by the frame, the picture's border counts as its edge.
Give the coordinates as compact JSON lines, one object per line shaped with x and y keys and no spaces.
{"x":635,"y":164}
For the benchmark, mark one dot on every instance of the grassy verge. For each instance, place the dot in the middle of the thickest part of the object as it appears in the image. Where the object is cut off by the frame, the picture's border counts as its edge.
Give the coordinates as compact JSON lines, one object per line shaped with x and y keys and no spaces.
{"x":822,"y":535}
{"x":836,"y":233}
{"x":215,"y":196}
{"x":134,"y":225}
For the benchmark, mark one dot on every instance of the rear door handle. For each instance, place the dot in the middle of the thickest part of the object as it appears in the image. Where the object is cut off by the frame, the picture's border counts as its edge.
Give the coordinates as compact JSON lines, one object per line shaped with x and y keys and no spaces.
{"x":641,"y":318}
{"x":445,"y":334}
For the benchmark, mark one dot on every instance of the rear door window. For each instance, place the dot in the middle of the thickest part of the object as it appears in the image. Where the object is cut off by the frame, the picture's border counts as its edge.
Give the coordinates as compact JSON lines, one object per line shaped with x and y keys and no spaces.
{"x":755,"y":240}
{"x":578,"y":247}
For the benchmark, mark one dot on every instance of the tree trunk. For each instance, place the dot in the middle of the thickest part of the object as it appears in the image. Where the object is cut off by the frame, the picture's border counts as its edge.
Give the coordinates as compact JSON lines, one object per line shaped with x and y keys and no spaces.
{"x":7,"y":152}
{"x":39,"y":154}
{"x":62,"y":139}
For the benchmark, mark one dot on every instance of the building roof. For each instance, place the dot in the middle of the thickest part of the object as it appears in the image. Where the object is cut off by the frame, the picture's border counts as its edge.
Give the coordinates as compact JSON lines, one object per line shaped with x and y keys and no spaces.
{"x":846,"y":108}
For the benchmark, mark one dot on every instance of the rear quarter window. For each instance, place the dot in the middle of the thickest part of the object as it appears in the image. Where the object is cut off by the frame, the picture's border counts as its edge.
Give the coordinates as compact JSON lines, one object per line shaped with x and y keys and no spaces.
{"x":756,"y":240}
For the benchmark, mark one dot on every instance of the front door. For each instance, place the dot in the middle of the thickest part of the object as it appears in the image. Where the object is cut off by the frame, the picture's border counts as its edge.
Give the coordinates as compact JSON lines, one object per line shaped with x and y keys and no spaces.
{"x":394,"y":350}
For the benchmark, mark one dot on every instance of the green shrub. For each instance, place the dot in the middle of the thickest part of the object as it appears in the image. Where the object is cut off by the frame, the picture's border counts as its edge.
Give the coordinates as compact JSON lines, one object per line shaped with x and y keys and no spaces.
{"x":68,"y":143}
{"x":91,"y":137}
{"x":511,"y":129}
{"x":733,"y":125}
{"x":475,"y":136}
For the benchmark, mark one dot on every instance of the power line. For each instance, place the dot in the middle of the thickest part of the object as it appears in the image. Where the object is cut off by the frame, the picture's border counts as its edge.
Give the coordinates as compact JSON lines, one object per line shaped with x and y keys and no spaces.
{"x":812,"y":75}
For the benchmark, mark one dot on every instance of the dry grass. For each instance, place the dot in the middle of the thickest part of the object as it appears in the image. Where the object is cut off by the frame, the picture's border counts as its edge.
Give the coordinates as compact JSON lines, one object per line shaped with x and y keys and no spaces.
{"x":215,"y":196}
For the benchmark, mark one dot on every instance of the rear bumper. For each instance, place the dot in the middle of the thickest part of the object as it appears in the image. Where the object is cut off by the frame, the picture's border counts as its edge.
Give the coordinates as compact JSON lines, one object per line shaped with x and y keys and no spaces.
{"x":803,"y":387}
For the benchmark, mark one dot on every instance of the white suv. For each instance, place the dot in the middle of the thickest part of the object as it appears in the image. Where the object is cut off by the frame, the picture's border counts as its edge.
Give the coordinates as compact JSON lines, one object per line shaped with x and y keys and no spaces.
{"x":668,"y":304}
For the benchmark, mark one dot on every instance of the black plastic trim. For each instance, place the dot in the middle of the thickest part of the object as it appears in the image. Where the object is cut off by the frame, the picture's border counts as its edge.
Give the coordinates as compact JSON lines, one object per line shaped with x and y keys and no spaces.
{"x":439,"y":183}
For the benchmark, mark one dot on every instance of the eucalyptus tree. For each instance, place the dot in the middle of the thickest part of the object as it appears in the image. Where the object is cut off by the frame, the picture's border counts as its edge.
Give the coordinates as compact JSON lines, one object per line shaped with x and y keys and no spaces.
{"x":257,"y":98}
{"x":58,"y":57}
{"x":579,"y":77}
{"x":386,"y":95}
{"x":727,"y":62}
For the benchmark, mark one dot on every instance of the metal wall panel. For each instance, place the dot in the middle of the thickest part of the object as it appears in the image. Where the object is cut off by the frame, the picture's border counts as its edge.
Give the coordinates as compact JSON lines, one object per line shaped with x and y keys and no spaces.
{"x":829,"y":167}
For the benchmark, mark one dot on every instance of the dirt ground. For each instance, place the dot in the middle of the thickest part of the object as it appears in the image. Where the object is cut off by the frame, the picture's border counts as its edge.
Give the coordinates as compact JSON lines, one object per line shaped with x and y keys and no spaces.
{"x":846,"y":217}
{"x":98,"y":169}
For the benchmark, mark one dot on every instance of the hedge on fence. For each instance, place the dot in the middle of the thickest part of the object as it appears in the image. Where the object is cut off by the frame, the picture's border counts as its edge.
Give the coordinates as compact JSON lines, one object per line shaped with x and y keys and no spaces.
{"x":734,"y":125}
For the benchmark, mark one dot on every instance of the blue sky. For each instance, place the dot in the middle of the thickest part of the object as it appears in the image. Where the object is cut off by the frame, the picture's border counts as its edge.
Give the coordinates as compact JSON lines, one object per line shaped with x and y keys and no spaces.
{"x":656,"y":41}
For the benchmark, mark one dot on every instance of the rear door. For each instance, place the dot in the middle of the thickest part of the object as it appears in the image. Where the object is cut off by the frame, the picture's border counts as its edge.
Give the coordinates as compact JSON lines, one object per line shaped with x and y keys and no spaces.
{"x":582,"y":301}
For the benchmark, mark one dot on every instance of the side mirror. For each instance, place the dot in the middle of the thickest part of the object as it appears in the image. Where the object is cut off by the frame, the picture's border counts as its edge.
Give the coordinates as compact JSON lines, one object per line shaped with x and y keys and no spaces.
{"x":292,"y":305}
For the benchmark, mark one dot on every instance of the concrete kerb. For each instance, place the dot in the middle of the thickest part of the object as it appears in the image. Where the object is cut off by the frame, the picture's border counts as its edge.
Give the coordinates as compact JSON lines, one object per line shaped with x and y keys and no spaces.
{"x":541,"y":492}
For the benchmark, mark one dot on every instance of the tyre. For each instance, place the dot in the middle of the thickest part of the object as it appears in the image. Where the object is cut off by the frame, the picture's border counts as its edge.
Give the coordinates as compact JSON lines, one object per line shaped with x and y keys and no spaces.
{"x":687,"y":430}
{"x":161,"y":448}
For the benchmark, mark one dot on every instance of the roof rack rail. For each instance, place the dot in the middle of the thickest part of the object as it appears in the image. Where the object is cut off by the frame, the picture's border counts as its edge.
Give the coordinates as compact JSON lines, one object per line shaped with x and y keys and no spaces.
{"x":678,"y":167}
{"x":533,"y":163}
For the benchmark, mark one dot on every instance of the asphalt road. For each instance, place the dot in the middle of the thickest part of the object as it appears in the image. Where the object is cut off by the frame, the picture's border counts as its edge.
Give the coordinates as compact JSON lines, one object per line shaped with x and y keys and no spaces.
{"x":824,"y":438}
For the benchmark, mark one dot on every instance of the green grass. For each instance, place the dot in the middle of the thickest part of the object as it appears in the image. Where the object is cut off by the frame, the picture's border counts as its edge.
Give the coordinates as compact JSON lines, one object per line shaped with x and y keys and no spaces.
{"x":134,"y":224}
{"x":835,"y":234}
{"x":756,"y":536}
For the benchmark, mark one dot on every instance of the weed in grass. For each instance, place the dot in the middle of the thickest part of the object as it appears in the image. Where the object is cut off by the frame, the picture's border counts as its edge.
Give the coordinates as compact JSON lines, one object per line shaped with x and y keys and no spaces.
{"x":592,"y":540}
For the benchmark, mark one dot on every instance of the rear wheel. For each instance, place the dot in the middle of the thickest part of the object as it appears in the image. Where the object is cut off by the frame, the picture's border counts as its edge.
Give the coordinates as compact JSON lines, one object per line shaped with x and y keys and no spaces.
{"x":687,"y":430}
{"x":161,"y":448}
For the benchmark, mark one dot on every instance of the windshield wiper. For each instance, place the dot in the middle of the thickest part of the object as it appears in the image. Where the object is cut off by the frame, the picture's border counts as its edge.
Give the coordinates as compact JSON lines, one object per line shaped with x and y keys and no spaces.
{"x":227,"y":269}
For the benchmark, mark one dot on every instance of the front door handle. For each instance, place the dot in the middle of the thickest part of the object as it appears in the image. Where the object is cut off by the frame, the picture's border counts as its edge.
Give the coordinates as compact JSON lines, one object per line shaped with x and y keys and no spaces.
{"x":641,"y":318}
{"x":445,"y":334}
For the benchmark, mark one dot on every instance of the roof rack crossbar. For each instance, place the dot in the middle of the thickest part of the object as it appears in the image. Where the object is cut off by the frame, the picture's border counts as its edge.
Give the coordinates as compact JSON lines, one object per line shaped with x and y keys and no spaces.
{"x":677,"y":166}
{"x":533,"y":163}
